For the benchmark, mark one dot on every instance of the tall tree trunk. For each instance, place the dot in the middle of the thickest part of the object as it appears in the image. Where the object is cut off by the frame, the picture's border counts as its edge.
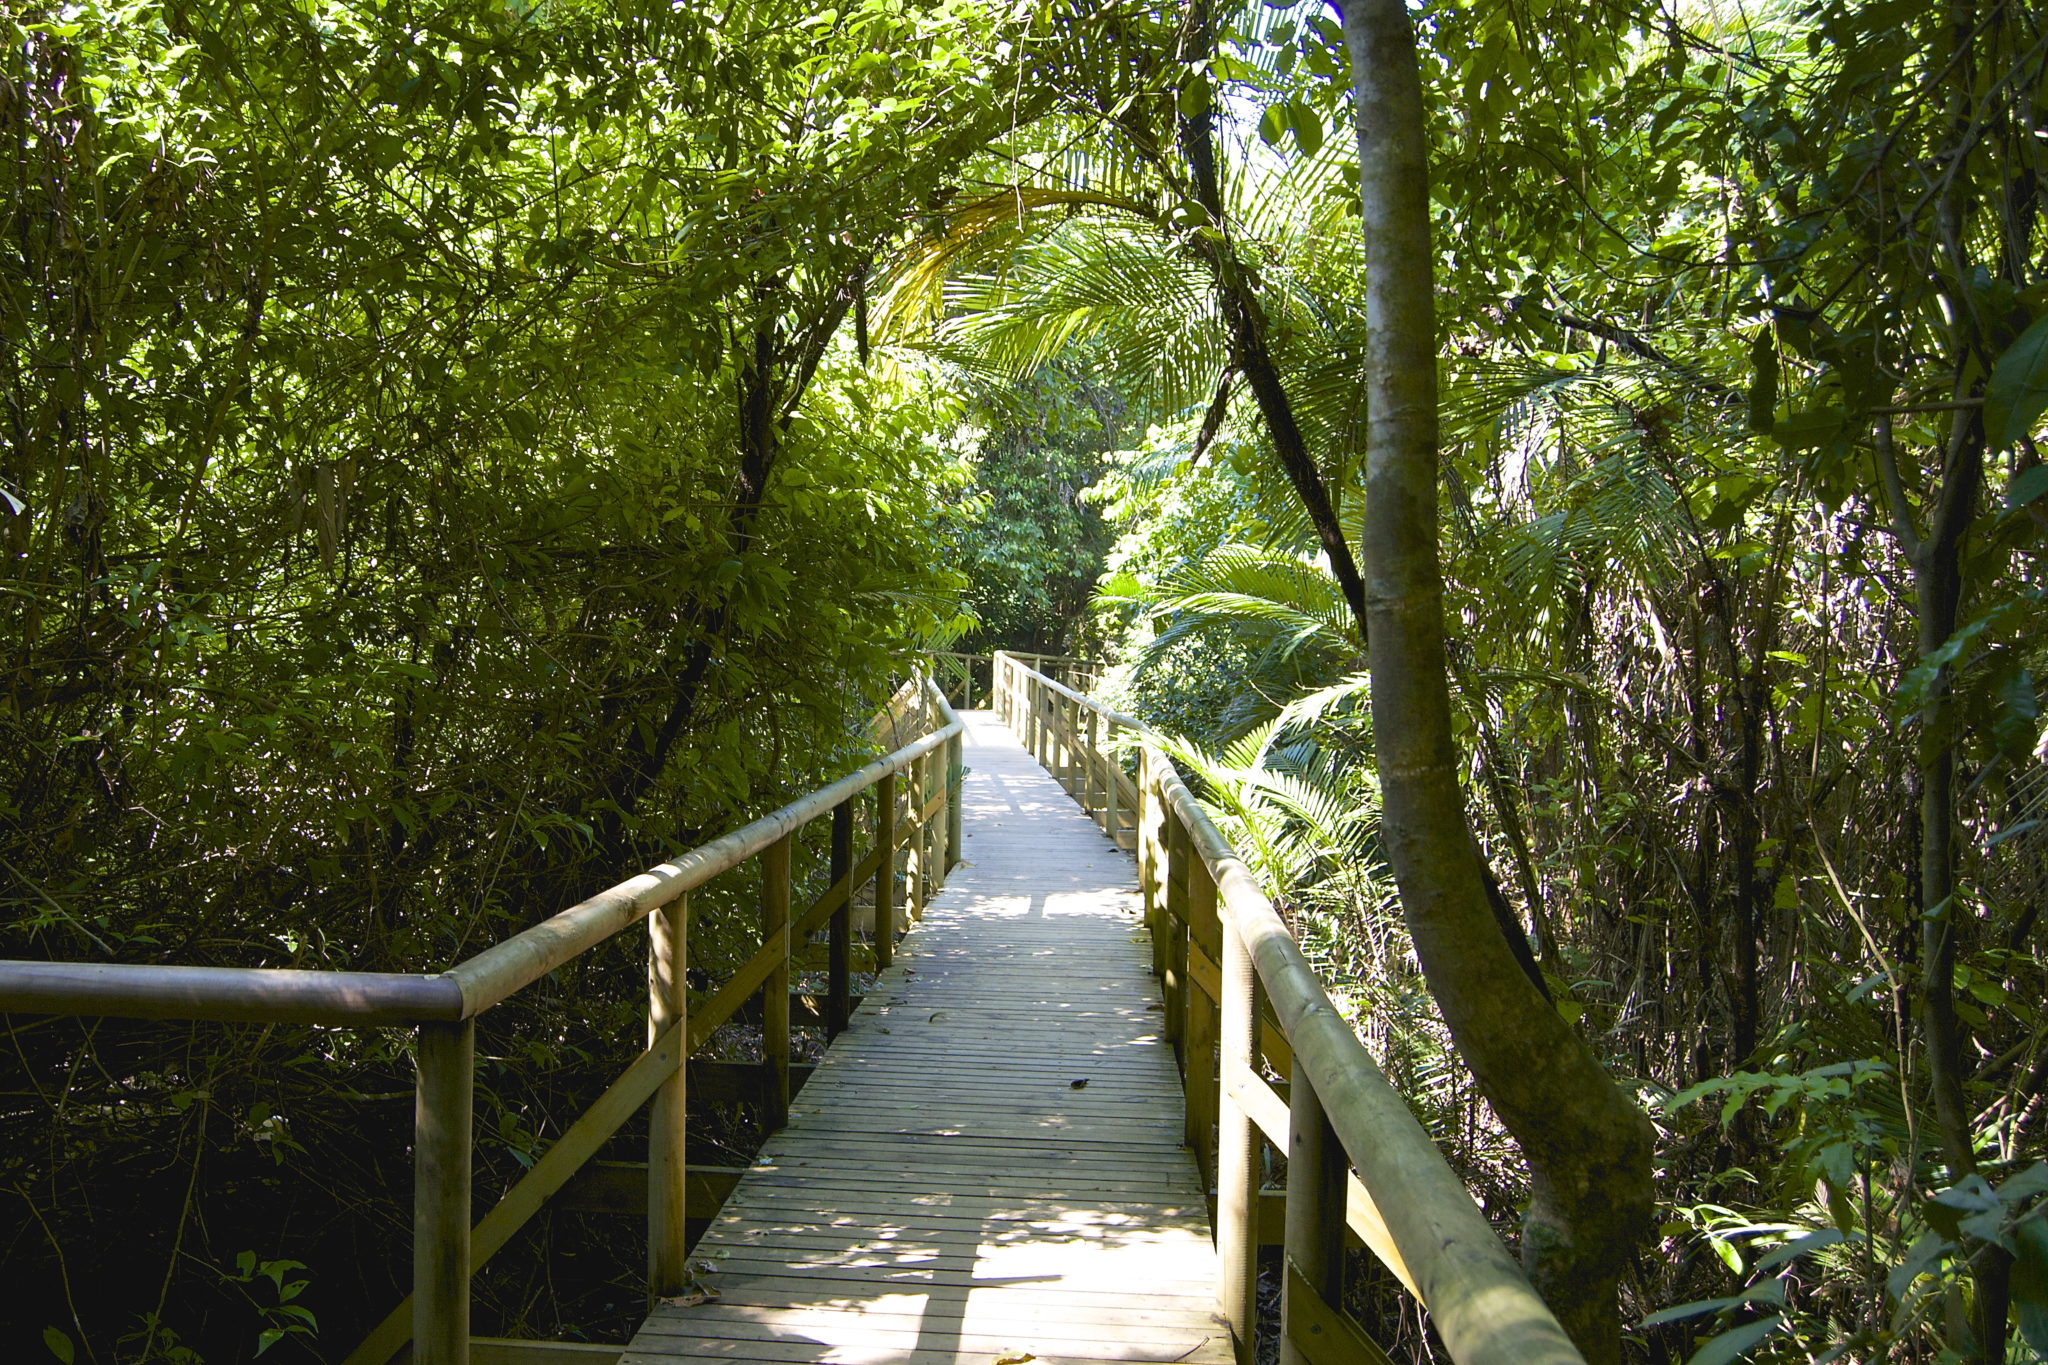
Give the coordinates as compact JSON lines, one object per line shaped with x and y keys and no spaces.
{"x":1587,"y":1144}
{"x":1237,"y":299}
{"x":1938,"y":593}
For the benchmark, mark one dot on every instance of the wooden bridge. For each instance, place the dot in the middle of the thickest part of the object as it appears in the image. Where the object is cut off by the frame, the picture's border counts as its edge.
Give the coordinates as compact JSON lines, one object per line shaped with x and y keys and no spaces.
{"x":1018,"y":1145}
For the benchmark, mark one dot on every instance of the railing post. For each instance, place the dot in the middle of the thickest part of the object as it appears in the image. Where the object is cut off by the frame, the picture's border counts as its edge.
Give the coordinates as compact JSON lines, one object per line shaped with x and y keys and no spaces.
{"x":1150,"y":852}
{"x":1048,"y":726}
{"x":1063,"y":740}
{"x":775,"y":990}
{"x":839,"y":968}
{"x":956,"y":774}
{"x":1070,"y":717}
{"x":1034,"y":708}
{"x":1091,"y":758}
{"x":1237,"y":1185}
{"x":913,"y":871}
{"x":885,"y":875}
{"x":935,"y":829}
{"x":1198,"y":1042}
{"x":1112,"y":817}
{"x":1176,"y":897}
{"x":667,"y":1003}
{"x":1314,"y":1253}
{"x":443,"y":1106}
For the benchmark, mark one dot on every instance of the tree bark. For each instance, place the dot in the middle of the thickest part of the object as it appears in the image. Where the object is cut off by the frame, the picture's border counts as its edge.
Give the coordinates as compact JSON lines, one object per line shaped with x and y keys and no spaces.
{"x":1587,"y":1144}
{"x":1237,"y":299}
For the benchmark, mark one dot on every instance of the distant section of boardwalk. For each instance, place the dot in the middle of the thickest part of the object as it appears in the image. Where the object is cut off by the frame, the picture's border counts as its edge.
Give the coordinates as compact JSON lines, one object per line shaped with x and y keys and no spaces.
{"x":988,"y":1164}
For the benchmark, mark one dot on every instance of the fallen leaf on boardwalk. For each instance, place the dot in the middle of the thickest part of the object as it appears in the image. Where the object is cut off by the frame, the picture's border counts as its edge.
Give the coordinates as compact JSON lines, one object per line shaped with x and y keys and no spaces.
{"x":1014,"y":1358}
{"x":936,"y":1017}
{"x":1081,"y":1084}
{"x":702,"y":1294}
{"x":1160,"y":1008}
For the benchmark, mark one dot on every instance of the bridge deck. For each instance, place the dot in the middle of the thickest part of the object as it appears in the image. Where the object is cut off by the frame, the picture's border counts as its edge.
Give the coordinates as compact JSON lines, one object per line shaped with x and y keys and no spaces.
{"x":987,"y":1166}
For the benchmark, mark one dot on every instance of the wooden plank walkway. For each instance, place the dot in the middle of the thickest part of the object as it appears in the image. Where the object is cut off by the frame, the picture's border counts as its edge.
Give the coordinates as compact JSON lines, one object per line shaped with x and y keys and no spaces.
{"x":988,"y":1163}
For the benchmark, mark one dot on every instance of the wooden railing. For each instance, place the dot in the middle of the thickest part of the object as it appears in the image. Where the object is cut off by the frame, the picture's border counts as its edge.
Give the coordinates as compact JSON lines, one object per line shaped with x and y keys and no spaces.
{"x":922,"y":817}
{"x":962,"y":677}
{"x":1265,"y":1055}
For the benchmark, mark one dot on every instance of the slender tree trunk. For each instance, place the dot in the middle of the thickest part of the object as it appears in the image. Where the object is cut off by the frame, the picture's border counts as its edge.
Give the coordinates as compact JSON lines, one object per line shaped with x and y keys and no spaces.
{"x":1587,"y":1145}
{"x":1938,"y":590}
{"x":1237,"y":299}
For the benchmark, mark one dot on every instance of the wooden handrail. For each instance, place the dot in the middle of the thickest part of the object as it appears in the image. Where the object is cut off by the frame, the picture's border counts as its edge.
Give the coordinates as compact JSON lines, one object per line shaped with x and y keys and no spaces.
{"x":444,"y":1006}
{"x":269,"y":995}
{"x":498,"y":971}
{"x":1218,"y":945}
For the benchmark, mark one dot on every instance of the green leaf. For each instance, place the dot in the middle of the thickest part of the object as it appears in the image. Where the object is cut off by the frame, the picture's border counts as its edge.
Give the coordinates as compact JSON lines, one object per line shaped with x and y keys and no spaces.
{"x":2030,"y":484}
{"x":1273,"y":124}
{"x":1808,"y":428}
{"x":2018,"y":391}
{"x":2030,"y":1282}
{"x":1726,"y":1347}
{"x":60,"y":1345}
{"x":1770,"y":1291}
{"x":1799,"y":1246}
{"x":1307,"y":126}
{"x":1763,"y":384}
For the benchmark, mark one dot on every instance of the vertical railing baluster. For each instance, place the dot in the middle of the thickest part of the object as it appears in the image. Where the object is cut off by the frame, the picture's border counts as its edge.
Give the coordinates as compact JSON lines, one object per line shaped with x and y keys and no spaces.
{"x":839,"y":965}
{"x":956,"y":774}
{"x":1070,"y":716}
{"x":1176,"y":889}
{"x":1237,"y":1183}
{"x":1091,"y":764}
{"x":775,"y":991}
{"x":885,"y":874}
{"x":1112,"y":815}
{"x":667,"y":1003}
{"x":1316,"y":1179}
{"x":1151,"y":854}
{"x":941,"y":821}
{"x":914,"y":875}
{"x":1198,"y":1043}
{"x":443,"y":1109}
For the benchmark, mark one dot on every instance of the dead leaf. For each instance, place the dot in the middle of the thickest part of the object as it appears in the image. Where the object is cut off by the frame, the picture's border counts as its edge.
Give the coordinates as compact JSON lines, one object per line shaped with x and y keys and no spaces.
{"x":1014,"y":1357}
{"x":1160,"y":1008}
{"x":1081,"y":1084}
{"x":702,"y":1294}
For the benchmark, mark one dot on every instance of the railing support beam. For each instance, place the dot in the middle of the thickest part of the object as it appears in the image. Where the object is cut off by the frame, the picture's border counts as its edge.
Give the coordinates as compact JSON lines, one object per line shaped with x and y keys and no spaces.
{"x":444,"y":1104}
{"x":668,"y":937}
{"x":1237,"y":1182}
{"x":775,"y":990}
{"x":1314,"y":1240}
{"x":885,"y":875}
{"x":839,"y":971}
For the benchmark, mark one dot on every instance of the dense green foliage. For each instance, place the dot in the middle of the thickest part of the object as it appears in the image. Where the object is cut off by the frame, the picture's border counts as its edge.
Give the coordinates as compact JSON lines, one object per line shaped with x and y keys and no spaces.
{"x":437,"y":485}
{"x":456,"y":452}
{"x":1030,"y":546}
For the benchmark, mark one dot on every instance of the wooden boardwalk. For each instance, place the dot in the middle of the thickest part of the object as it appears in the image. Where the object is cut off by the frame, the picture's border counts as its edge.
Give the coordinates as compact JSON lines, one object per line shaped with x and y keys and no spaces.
{"x":987,"y":1166}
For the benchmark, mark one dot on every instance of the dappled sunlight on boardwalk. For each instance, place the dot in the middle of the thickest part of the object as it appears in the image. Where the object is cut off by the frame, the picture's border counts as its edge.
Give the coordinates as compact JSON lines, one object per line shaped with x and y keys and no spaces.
{"x":988,"y":1164}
